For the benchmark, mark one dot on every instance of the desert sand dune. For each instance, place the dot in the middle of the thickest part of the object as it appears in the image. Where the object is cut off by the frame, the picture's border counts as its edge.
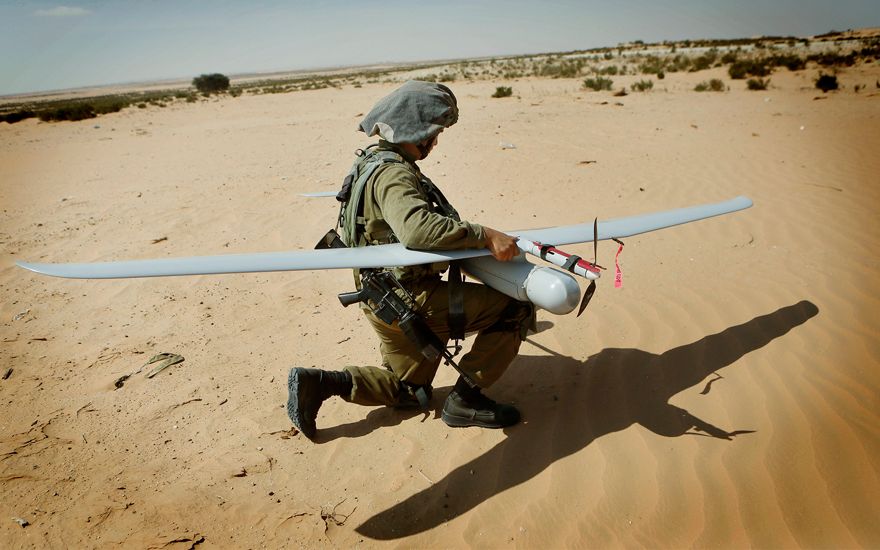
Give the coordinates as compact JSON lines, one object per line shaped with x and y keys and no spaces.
{"x":726,"y":396}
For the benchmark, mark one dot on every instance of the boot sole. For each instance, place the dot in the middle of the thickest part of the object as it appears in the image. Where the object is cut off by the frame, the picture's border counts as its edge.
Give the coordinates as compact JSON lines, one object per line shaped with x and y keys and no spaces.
{"x":296,"y":403}
{"x":465,"y":422}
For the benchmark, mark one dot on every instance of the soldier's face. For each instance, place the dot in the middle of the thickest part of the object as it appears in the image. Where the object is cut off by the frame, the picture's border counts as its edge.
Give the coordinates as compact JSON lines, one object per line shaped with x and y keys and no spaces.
{"x":426,"y":147}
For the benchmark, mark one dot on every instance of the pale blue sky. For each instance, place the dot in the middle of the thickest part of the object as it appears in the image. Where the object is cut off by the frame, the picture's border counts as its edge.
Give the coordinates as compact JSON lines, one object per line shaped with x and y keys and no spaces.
{"x":72,"y":43}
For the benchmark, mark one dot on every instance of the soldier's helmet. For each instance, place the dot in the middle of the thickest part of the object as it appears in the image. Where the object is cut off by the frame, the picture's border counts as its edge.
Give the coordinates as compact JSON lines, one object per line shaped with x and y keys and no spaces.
{"x":414,"y":113}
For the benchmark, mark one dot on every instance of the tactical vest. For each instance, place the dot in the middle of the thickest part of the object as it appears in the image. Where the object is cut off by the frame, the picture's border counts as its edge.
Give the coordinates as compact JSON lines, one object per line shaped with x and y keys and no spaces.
{"x":361,"y":230}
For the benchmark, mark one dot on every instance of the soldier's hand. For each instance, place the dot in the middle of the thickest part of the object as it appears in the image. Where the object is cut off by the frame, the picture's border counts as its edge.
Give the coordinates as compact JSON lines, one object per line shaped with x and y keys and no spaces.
{"x":501,"y":245}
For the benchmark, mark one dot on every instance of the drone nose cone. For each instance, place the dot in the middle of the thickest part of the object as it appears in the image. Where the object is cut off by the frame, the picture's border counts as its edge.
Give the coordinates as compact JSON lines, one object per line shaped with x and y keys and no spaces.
{"x":553,"y":290}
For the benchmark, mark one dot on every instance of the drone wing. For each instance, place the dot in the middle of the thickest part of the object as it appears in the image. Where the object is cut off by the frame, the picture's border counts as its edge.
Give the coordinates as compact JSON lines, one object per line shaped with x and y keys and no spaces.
{"x":633,"y":225}
{"x":298,"y":260}
{"x":373,"y":256}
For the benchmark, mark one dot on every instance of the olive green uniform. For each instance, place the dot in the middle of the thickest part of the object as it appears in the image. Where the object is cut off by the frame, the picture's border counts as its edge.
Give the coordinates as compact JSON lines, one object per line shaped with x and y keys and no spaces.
{"x":397,"y":208}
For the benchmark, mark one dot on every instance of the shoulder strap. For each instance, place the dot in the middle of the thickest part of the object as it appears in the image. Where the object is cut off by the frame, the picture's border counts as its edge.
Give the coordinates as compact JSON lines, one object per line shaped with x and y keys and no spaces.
{"x":439,"y":200}
{"x":351,"y":211}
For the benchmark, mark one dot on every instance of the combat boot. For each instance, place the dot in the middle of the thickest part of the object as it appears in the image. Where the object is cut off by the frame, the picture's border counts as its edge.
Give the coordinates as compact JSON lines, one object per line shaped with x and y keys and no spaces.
{"x":307,"y":389}
{"x":467,"y":406}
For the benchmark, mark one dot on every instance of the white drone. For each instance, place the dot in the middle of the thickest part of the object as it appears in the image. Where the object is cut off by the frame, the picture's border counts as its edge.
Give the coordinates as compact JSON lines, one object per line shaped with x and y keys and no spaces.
{"x":548,"y":288}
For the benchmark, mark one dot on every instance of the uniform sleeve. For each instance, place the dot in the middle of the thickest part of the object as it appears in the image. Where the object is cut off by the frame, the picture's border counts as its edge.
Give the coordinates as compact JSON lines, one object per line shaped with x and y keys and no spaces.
{"x":403,"y":207}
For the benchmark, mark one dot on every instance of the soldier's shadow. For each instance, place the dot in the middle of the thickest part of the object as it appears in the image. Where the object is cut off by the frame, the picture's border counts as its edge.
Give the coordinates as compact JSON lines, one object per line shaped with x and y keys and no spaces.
{"x":569,"y":403}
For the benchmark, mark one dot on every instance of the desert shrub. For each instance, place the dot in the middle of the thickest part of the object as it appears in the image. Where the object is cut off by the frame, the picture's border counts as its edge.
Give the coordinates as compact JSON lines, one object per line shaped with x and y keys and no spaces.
{"x":826,"y":82}
{"x":598,"y":84}
{"x":789,"y":61}
{"x":749,"y":67}
{"x":610,"y":70}
{"x":17,"y":116}
{"x":503,"y":91}
{"x":729,"y":57}
{"x":211,"y":83}
{"x":565,"y":69}
{"x":704,"y":61}
{"x":661,"y":75}
{"x":642,"y":85}
{"x":73,"y":111}
{"x":833,"y":59}
{"x":652,"y":65}
{"x":738,"y":70}
{"x":714,"y":85}
{"x":757,"y":83}
{"x":316,"y":85}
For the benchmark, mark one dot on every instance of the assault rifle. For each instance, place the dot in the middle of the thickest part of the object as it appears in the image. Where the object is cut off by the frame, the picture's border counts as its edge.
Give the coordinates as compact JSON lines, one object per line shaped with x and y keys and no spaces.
{"x":391,"y":302}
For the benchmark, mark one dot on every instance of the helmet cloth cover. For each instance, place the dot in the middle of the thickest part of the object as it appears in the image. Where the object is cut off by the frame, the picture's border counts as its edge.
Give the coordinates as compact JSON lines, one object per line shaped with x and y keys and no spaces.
{"x":414,"y":113}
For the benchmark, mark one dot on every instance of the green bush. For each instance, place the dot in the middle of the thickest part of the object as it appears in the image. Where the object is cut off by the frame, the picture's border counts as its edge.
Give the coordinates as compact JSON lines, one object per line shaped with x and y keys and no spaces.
{"x":833,"y":59}
{"x":757,"y":83}
{"x":714,"y":85}
{"x":704,"y":61}
{"x":789,"y":61}
{"x":598,"y":83}
{"x":642,"y":85}
{"x":503,"y":91}
{"x":565,"y":69}
{"x":749,"y":67}
{"x":211,"y":83}
{"x":76,"y":111}
{"x":17,"y":116}
{"x":826,"y":82}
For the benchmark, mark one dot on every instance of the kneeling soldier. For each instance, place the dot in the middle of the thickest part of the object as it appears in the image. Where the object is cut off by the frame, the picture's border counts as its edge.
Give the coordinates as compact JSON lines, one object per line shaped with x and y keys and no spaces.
{"x":386,"y":199}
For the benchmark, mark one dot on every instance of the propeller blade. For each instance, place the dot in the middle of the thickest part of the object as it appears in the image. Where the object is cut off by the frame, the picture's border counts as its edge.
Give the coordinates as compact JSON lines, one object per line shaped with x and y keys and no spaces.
{"x":588,"y":295}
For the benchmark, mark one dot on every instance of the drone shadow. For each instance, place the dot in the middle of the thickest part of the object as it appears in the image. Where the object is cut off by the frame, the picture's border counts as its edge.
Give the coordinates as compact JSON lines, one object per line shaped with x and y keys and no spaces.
{"x":572,"y":403}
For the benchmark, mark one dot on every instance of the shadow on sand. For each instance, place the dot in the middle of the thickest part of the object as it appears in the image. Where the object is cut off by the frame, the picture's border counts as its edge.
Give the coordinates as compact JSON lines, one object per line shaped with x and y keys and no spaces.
{"x":573,"y":403}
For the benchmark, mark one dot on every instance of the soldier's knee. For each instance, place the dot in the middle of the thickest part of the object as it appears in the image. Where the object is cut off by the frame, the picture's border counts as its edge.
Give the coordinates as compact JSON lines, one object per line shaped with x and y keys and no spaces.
{"x":516,"y":316}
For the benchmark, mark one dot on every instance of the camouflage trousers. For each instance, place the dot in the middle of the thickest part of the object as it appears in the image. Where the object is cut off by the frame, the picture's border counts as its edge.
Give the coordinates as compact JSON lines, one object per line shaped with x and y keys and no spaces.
{"x":499,"y":321}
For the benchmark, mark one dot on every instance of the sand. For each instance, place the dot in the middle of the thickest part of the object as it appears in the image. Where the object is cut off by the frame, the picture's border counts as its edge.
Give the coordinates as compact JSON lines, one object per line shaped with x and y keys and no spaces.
{"x":726,"y":396}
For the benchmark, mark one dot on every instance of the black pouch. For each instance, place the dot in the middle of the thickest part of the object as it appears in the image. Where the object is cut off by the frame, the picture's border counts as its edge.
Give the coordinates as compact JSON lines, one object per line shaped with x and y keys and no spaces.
{"x":330,"y":240}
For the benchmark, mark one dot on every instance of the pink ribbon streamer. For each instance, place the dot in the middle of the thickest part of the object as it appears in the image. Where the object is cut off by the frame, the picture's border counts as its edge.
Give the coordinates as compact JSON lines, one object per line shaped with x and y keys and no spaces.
{"x":618,"y":275}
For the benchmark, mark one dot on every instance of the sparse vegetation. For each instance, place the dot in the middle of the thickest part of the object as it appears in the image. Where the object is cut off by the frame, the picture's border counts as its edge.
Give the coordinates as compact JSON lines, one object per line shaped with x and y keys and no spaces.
{"x":211,"y":83}
{"x":742,"y":68}
{"x":791,"y":62}
{"x":826,"y":82}
{"x":751,"y":59}
{"x":714,"y":85}
{"x":642,"y":86}
{"x":757,"y":83}
{"x":562,"y":69}
{"x":598,"y":84}
{"x":704,"y":61}
{"x":503,"y":91}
